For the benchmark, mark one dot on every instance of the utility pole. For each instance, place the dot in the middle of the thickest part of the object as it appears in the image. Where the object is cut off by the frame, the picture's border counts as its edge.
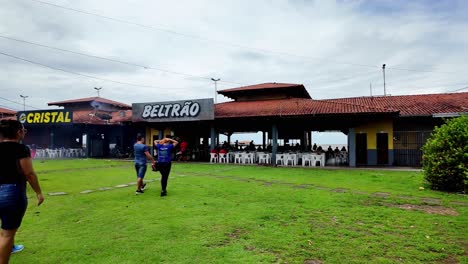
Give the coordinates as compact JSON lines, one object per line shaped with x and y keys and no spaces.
{"x":216,"y":88}
{"x":24,"y":101}
{"x":370,"y":87}
{"x":97,"y":89}
{"x":384,"y":88}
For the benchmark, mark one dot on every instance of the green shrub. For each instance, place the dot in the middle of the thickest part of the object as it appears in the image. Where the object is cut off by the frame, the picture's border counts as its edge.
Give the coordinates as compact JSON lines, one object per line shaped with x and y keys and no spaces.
{"x":445,"y":156}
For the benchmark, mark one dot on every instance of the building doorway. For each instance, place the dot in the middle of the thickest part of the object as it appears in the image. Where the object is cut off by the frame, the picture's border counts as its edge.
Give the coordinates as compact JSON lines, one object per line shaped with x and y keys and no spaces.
{"x":361,"y":149}
{"x":382,"y":148}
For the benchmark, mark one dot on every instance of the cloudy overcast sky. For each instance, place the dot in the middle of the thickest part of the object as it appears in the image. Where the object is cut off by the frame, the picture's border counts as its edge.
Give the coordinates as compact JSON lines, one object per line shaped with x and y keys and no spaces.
{"x":150,"y":51}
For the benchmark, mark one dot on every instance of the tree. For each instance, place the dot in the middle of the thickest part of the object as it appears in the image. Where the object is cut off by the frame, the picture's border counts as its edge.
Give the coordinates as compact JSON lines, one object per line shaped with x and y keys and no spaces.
{"x":445,"y":156}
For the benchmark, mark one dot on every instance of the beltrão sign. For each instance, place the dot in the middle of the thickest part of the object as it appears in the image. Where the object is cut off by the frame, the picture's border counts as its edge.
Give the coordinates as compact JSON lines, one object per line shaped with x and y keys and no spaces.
{"x":186,"y":110}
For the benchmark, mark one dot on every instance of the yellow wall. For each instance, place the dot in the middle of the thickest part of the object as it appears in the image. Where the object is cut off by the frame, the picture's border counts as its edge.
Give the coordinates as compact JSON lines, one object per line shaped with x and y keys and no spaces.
{"x":150,"y":132}
{"x":385,"y":126}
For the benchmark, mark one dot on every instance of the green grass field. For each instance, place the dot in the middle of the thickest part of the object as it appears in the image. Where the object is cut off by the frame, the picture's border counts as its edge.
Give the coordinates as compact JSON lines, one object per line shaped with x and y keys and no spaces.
{"x":240,"y":214}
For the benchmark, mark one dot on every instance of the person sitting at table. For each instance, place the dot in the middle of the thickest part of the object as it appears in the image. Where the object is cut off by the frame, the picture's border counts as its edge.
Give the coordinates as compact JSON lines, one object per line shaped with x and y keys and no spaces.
{"x":225,"y":145}
{"x":336,"y":150}
{"x":314,"y":147}
{"x":252,"y":145}
{"x":343,"y":148}
{"x":181,"y":155}
{"x":319,"y":150}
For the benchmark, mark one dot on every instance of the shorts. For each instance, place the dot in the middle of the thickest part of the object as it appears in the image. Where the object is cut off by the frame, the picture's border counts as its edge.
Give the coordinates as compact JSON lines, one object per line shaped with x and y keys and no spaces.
{"x":140,"y":170}
{"x":13,"y":204}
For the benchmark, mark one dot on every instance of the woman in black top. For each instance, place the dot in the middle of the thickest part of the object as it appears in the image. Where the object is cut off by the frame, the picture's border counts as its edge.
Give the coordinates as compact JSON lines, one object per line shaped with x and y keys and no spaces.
{"x":16,"y":170}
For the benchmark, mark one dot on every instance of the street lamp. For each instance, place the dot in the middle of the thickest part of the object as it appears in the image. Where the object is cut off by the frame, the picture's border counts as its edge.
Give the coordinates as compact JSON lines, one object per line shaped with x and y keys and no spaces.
{"x":216,"y":87}
{"x":384,"y":88}
{"x":97,"y":89}
{"x":24,"y":101}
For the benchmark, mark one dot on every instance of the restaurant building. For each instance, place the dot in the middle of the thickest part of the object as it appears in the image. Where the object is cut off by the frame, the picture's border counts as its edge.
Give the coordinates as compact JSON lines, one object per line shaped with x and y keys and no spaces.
{"x":381,"y":130}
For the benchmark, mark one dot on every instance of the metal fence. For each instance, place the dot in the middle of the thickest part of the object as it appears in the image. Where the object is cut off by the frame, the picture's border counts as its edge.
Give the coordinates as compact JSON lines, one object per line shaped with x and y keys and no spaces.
{"x":407,"y":147}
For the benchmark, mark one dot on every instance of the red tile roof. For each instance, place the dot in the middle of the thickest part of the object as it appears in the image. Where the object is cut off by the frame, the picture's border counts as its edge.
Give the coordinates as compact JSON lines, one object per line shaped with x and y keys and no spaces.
{"x":91,"y":99}
{"x":414,"y":105}
{"x":7,"y":111}
{"x":262,"y":86}
{"x":292,"y":107}
{"x":254,"y":91}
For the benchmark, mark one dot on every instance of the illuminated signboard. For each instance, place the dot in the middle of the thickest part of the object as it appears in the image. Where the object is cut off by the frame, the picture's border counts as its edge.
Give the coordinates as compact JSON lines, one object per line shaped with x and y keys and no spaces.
{"x":173,"y":111}
{"x":45,"y":117}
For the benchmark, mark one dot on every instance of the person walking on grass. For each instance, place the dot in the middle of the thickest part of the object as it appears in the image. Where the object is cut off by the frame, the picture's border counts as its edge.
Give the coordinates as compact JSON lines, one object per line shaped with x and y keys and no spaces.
{"x":142,"y":154}
{"x":17,"y":169}
{"x":165,"y":147}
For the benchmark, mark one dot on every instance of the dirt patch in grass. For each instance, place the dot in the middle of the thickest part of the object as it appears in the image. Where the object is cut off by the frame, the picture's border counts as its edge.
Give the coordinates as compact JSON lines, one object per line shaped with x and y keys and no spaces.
{"x":312,"y":261}
{"x":451,"y":259}
{"x":231,"y":237}
{"x":430,"y":209}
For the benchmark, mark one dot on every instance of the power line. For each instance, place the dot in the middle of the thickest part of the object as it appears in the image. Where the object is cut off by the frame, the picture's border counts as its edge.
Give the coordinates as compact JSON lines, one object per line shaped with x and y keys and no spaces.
{"x":17,"y":103}
{"x":113,"y":60}
{"x":466,"y":87}
{"x":81,"y":74}
{"x":346,"y":78}
{"x":426,"y":87}
{"x":9,"y":108}
{"x":224,"y":43}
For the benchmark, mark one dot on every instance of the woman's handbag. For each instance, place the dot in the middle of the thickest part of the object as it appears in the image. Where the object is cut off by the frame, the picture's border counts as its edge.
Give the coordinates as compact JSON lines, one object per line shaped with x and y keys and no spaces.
{"x":154,"y":166}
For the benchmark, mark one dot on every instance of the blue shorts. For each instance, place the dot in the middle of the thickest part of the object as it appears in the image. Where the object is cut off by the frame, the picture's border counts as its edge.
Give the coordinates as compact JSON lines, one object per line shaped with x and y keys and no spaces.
{"x":13,"y":204}
{"x":140,"y":170}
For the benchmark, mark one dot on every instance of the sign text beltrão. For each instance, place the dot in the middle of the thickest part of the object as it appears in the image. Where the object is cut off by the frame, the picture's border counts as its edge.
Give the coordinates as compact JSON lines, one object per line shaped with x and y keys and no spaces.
{"x":187,"y":110}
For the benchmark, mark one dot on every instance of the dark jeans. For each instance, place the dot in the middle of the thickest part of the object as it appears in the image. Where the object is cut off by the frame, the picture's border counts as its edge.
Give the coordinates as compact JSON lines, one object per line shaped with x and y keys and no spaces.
{"x":164,"y":169}
{"x":13,"y":204}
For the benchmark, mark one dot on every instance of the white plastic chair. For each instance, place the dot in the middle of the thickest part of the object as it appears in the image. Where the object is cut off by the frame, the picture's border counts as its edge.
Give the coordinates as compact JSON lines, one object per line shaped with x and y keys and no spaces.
{"x":223,"y":158}
{"x":343,"y":158}
{"x":264,"y":158}
{"x":248,"y":158}
{"x":318,"y":158}
{"x":40,"y":154}
{"x":307,"y":158}
{"x":291,"y":157}
{"x":213,"y":157}
{"x":280,"y":159}
{"x":238,"y":157}
{"x":52,"y":153}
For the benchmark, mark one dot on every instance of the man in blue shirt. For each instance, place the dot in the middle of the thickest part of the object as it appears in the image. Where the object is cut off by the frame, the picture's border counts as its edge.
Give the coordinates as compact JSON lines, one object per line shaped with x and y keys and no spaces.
{"x":142,"y":154}
{"x":165,"y":147}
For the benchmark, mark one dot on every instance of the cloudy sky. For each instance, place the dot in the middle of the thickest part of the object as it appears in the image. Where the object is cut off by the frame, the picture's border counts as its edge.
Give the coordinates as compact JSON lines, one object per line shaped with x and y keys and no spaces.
{"x":150,"y":51}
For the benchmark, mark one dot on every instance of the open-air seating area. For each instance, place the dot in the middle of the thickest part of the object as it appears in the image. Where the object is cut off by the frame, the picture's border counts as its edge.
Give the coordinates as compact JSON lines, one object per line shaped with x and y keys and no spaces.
{"x":305,"y":159}
{"x":59,"y":153}
{"x":337,"y":159}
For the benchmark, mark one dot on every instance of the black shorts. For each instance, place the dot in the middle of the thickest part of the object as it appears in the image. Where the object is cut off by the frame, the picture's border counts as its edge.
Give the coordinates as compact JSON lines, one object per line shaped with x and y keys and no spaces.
{"x":13,"y":204}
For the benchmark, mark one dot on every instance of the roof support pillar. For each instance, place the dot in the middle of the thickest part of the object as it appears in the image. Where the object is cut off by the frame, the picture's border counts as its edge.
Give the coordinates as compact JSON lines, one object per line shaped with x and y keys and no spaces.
{"x":52,"y":138}
{"x":212,"y":137}
{"x":304,"y":141}
{"x":274,"y":139}
{"x":352,"y":147}
{"x":263,"y":140}
{"x":88,"y":145}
